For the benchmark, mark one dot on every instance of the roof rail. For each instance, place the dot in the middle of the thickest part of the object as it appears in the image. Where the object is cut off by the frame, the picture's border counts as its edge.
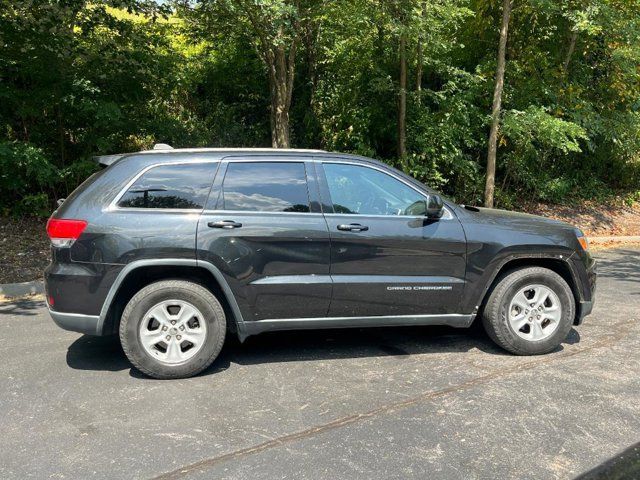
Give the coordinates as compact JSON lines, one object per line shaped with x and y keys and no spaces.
{"x":107,"y":160}
{"x":162,"y":146}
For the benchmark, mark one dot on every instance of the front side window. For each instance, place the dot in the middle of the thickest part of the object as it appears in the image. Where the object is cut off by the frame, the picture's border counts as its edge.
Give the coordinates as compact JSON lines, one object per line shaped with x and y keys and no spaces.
{"x":265,"y":187}
{"x":182,"y":186}
{"x":361,"y":190}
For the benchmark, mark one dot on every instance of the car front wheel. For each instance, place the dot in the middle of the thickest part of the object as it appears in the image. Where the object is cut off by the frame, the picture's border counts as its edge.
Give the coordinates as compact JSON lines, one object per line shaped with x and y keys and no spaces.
{"x":530,"y":311}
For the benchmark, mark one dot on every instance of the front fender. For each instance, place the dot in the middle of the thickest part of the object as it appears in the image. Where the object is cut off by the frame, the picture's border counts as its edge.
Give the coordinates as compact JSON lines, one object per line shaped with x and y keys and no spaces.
{"x":483,"y":268}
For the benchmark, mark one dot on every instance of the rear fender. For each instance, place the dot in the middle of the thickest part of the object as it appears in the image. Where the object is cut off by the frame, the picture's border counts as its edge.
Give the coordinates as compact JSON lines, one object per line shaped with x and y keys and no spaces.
{"x":215,"y":272}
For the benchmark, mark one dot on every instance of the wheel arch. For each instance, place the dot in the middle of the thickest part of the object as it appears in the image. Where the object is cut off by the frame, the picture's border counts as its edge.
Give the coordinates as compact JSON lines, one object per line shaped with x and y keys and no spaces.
{"x":141,"y":273}
{"x":557,"y":264}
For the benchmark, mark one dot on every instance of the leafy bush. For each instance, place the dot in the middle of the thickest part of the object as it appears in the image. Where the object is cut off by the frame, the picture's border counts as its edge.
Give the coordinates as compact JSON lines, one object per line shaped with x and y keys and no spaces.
{"x":539,"y":158}
{"x":26,"y":179}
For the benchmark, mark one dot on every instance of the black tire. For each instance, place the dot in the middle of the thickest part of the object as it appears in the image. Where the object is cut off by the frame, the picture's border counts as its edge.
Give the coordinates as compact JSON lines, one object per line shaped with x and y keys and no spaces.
{"x":151,"y":295}
{"x":495,"y":319}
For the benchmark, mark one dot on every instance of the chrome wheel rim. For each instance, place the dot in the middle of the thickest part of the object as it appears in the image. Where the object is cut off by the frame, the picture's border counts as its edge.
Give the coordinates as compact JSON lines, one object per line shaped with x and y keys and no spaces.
{"x":173,"y":331}
{"x":535,"y":312}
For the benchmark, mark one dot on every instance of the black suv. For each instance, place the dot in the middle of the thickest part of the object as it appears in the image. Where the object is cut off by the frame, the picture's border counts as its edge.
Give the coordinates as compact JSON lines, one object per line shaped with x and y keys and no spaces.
{"x":173,"y":248}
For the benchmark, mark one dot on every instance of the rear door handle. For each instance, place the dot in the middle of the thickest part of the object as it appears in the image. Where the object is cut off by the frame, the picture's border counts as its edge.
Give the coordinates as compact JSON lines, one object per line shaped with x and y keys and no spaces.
{"x":353,"y":227}
{"x":224,"y":224}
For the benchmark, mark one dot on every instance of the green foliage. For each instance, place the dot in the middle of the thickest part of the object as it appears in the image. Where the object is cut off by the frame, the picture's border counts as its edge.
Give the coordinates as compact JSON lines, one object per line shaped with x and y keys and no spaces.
{"x":25,"y":179}
{"x":540,"y":146}
{"x":534,"y":131}
{"x":82,"y":78}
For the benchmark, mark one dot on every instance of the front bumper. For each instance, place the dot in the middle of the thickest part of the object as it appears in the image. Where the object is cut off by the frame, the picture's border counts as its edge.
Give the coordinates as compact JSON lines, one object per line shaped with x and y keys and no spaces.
{"x":77,"y":322}
{"x":584,"y":309}
{"x":587,"y":276}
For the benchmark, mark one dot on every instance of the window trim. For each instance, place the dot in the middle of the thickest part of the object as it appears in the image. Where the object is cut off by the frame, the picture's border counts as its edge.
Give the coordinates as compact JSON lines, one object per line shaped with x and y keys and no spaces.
{"x":219,"y":203}
{"x":448,"y":215}
{"x":113,"y":206}
{"x":216,"y":211}
{"x":319,"y":176}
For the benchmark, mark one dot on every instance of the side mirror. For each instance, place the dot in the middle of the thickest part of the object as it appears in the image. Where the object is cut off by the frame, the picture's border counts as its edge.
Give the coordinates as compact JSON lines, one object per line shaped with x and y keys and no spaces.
{"x":435,"y":207}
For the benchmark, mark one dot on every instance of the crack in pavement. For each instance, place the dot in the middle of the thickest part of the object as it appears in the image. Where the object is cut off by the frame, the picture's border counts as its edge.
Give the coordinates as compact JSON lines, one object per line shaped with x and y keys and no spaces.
{"x":622,"y":329}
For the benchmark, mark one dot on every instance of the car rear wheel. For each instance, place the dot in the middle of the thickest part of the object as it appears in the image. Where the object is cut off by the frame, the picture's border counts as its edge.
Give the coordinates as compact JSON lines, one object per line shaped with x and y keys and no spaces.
{"x":530,"y":311}
{"x":172,"y":329}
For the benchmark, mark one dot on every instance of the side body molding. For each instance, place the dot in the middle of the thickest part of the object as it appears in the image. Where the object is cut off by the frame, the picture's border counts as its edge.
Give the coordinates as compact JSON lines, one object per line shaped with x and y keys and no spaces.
{"x":168,"y":262}
{"x":246,"y":329}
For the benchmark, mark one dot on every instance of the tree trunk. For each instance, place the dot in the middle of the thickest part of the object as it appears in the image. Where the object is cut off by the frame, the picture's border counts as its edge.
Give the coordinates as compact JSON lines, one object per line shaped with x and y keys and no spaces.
{"x":281,"y":74}
{"x":419,"y":71}
{"x":310,"y":41}
{"x":279,"y":124}
{"x":402,"y":100}
{"x":279,"y":113}
{"x":380,"y":32}
{"x":420,"y":66}
{"x":497,"y":103}
{"x":310,"y":37}
{"x":572,"y":46}
{"x":60,"y":134}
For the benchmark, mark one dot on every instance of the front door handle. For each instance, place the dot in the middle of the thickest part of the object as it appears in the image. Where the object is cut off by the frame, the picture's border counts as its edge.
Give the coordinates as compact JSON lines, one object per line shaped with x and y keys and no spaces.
{"x":224,"y":224}
{"x":353,"y":227}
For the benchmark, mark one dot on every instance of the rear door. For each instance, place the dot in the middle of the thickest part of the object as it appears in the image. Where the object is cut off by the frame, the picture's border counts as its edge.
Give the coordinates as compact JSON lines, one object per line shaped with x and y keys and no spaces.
{"x":264,"y":230}
{"x":385,"y":260}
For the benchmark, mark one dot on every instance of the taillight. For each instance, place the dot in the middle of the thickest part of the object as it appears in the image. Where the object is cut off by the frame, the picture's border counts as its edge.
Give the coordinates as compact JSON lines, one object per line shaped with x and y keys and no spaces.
{"x":63,"y":232}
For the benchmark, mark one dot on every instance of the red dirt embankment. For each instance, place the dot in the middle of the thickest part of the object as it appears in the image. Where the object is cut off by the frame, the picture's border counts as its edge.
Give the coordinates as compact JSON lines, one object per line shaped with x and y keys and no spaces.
{"x":595,"y":219}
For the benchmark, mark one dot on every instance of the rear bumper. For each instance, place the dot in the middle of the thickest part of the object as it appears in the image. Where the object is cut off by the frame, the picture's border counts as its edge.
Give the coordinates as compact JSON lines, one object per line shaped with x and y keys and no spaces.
{"x":77,"y":287}
{"x":77,"y":322}
{"x":76,"y":293}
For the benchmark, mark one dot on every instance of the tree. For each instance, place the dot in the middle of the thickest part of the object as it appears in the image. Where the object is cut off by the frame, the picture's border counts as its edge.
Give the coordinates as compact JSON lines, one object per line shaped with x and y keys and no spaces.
{"x":404,"y":81}
{"x":402,"y":11}
{"x":402,"y":99}
{"x":276,"y":29}
{"x":497,"y":104}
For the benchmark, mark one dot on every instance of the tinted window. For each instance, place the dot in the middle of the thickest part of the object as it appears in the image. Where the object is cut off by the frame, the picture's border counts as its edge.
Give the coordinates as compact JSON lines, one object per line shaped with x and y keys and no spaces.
{"x":171,"y":186}
{"x":365,"y":191}
{"x":265,"y":187}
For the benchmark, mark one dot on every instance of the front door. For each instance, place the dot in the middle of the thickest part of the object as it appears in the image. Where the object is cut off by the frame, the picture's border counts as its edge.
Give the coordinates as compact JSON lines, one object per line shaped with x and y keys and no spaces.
{"x":267,"y":236}
{"x":385,"y":259}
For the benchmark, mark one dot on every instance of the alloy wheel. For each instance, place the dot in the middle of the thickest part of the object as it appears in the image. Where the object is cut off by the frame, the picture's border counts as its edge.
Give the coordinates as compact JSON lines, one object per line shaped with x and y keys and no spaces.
{"x":173,"y":331}
{"x":535,"y":312}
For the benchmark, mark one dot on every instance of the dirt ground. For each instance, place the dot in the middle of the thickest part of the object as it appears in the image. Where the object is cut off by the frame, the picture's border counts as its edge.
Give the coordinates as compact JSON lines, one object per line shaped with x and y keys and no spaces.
{"x":24,"y":247}
{"x":593,"y":218}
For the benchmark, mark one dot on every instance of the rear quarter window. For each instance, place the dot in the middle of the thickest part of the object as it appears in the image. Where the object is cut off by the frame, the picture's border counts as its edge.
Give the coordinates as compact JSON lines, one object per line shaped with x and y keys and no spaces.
{"x":178,"y":186}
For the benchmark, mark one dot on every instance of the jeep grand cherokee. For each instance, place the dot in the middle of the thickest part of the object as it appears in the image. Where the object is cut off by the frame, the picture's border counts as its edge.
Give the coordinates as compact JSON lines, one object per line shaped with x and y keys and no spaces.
{"x":174,"y":249}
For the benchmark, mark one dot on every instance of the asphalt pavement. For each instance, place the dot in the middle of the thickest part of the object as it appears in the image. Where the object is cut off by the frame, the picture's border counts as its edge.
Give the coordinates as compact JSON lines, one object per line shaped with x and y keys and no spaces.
{"x":378,"y":403}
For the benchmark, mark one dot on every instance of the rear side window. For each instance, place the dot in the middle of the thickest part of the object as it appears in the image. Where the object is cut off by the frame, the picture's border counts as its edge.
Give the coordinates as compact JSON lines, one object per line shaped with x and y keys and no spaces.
{"x":265,"y":187}
{"x":183,"y":186}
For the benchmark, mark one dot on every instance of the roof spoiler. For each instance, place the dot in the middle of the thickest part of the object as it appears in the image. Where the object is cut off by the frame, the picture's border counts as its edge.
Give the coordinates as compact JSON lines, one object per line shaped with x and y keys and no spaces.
{"x":107,"y":160}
